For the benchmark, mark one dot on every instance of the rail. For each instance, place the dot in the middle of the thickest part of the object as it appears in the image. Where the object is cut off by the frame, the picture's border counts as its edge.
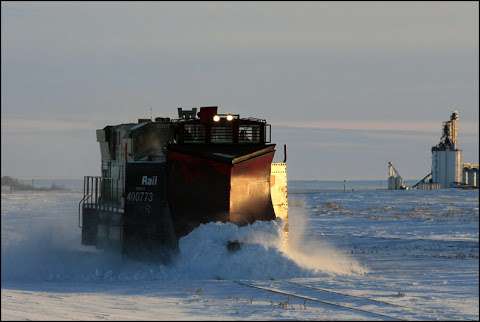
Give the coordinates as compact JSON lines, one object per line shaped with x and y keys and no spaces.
{"x":241,"y":133}
{"x":100,"y":193}
{"x":80,"y":210}
{"x":316,"y":299}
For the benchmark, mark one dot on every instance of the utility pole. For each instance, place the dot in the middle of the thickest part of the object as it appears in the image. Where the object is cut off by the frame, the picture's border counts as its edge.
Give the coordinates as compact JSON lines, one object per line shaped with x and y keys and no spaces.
{"x":344,"y":185}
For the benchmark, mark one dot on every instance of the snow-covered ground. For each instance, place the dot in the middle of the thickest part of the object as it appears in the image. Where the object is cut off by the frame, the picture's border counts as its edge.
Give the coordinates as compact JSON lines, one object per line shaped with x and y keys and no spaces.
{"x":366,"y":254}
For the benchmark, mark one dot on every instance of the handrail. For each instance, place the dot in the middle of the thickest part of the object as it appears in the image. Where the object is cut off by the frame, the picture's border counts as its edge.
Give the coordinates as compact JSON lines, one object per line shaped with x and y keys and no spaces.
{"x":79,"y":204}
{"x":93,"y":195}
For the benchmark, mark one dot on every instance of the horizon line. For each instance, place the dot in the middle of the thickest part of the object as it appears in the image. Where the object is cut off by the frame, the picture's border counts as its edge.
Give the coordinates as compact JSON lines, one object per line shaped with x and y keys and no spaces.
{"x":293,"y":179}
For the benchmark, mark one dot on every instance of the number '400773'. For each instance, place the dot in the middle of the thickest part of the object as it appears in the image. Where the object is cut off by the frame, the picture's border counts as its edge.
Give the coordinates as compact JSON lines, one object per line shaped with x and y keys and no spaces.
{"x":140,"y":196}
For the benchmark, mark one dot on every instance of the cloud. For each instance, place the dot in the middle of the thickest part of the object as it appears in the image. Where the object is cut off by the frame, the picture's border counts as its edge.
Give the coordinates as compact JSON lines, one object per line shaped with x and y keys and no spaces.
{"x":19,"y":125}
{"x":466,"y":128}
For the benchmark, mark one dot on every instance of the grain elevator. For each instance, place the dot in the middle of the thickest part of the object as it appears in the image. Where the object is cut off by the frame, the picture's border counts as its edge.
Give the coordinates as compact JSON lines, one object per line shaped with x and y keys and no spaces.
{"x":447,"y":159}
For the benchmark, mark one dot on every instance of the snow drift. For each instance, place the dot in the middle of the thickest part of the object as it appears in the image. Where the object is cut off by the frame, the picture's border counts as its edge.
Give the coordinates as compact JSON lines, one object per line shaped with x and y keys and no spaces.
{"x":47,"y":247}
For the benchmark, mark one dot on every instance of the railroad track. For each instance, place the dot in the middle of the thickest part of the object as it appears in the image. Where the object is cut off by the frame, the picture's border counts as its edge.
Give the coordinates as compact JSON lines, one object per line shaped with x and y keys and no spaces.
{"x":337,"y":300}
{"x":365,"y":298}
{"x":430,"y":313}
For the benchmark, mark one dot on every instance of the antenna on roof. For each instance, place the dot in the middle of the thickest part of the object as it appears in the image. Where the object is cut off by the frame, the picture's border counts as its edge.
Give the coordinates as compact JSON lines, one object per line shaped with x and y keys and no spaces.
{"x":151,"y":114}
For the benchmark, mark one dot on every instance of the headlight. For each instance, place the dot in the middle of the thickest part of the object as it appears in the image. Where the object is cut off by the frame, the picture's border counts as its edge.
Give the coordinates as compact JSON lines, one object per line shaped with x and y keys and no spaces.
{"x":229,"y":117}
{"x":216,"y":118}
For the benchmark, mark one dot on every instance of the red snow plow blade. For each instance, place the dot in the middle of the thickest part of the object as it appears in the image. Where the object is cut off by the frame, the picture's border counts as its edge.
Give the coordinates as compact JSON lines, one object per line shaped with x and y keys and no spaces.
{"x":225,"y":183}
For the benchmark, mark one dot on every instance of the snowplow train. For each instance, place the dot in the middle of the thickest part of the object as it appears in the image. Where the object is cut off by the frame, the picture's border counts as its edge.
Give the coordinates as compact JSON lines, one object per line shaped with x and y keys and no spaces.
{"x":162,"y":178}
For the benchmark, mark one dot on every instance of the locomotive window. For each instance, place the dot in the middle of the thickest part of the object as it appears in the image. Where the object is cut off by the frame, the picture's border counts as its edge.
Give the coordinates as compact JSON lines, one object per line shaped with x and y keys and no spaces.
{"x":249,"y":134}
{"x":222,"y":134}
{"x":194,"y":133}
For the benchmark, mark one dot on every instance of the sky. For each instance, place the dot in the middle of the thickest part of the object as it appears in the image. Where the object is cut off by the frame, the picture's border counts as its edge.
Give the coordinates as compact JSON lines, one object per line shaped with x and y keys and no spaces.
{"x":348,"y":86}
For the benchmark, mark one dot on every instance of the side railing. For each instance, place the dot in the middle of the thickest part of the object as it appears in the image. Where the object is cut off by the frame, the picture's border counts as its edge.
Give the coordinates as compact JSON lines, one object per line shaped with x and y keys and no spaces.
{"x":226,"y":133}
{"x":100,"y":193}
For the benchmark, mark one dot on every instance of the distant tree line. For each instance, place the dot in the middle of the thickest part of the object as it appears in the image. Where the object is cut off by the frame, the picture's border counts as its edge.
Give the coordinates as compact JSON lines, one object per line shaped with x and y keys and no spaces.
{"x":17,"y":185}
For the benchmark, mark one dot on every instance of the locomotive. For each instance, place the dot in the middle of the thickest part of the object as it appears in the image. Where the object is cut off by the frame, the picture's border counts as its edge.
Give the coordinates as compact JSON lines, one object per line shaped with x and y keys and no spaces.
{"x":162,"y":178}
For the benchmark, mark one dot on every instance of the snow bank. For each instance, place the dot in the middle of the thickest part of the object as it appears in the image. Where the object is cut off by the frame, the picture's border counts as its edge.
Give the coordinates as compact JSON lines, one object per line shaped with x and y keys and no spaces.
{"x":266,"y":252}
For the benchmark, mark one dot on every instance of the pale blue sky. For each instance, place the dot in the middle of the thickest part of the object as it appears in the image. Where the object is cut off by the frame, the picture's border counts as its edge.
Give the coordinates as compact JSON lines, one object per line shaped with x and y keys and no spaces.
{"x":348,"y":86}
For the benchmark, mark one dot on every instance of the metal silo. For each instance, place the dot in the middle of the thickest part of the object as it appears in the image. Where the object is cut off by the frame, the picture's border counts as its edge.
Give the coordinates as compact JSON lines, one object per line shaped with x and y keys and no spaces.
{"x":447,"y":159}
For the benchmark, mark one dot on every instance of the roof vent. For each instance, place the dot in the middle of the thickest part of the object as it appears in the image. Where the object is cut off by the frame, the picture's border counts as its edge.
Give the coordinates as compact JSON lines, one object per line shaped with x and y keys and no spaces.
{"x":162,"y":119}
{"x":207,"y":113}
{"x":187,"y":114}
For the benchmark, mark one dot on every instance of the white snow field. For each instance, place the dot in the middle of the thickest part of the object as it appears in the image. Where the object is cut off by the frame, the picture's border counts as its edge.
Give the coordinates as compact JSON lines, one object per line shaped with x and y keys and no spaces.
{"x":358,"y":255}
